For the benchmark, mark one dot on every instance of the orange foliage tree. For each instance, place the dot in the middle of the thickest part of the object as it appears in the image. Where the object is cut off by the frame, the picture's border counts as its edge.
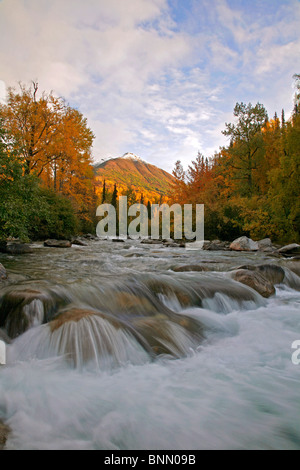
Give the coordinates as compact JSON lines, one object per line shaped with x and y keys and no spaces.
{"x":53,"y":142}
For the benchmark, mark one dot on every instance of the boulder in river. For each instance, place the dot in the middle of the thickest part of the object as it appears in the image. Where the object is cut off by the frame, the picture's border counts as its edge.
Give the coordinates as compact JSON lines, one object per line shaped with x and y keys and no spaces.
{"x":290,"y":250}
{"x":266,"y":245}
{"x":189,"y":268}
{"x":244,"y":244}
{"x":292,"y":264}
{"x":273,"y":273}
{"x":256,"y":280}
{"x":58,"y":243}
{"x":149,"y":241}
{"x":216,"y":245}
{"x":79,"y":242}
{"x":3,"y":274}
{"x":22,"y":308}
{"x":15,"y":248}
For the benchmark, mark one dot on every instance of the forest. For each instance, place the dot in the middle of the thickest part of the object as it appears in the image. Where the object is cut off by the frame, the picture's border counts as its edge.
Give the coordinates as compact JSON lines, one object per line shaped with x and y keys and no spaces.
{"x":46,"y":172}
{"x":250,"y":187}
{"x":48,"y":187}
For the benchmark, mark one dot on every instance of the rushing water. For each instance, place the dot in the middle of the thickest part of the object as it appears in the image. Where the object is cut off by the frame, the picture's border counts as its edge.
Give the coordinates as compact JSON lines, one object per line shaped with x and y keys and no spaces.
{"x":142,"y":357}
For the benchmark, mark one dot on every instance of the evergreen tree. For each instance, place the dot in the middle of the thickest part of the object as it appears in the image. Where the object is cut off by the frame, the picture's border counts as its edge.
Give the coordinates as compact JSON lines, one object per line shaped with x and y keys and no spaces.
{"x":149,"y":210}
{"x":246,"y":144}
{"x":103,"y":192}
{"x":114,"y":196}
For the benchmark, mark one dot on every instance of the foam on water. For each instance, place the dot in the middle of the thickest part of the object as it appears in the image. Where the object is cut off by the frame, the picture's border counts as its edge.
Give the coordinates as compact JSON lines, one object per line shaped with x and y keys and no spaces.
{"x":239,"y":391}
{"x":237,"y":388}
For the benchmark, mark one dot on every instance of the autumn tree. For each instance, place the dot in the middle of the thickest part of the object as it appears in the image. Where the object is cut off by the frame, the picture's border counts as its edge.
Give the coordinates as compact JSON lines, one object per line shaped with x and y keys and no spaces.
{"x":34,"y":123}
{"x":53,"y":142}
{"x":28,"y":211}
{"x":178,"y":187}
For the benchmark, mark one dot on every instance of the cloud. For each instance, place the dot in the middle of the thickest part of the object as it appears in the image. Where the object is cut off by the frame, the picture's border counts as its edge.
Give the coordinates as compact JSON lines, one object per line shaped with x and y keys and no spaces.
{"x":153,"y":77}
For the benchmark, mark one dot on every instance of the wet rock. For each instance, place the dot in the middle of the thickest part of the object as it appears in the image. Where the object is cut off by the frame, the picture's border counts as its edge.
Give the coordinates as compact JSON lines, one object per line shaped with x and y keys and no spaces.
{"x":90,"y":236}
{"x":15,"y":248}
{"x":266,"y":245}
{"x":3,"y":274}
{"x":290,"y":250}
{"x":206,"y":244}
{"x":292,"y":264}
{"x":255,"y":280}
{"x":216,"y":245}
{"x":20,"y":309}
{"x":86,"y":336}
{"x":58,"y":243}
{"x":133,"y":304}
{"x":149,"y":241}
{"x":72,"y":314}
{"x":244,"y":244}
{"x":273,"y":273}
{"x":4,"y":432}
{"x":18,"y":248}
{"x":118,"y":240}
{"x":79,"y":242}
{"x":189,"y":267}
{"x":172,"y":244}
{"x":172,"y":337}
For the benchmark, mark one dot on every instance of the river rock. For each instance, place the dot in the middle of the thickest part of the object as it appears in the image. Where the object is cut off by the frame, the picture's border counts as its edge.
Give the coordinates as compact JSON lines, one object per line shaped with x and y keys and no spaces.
{"x":164,"y":336}
{"x":58,"y":243}
{"x":266,"y":245}
{"x":90,"y":236}
{"x":84,"y":336}
{"x":255,"y":280}
{"x":4,"y":431}
{"x":189,"y":268}
{"x":3,"y":274}
{"x":216,"y":245}
{"x":273,"y":273}
{"x":79,"y":242}
{"x":171,"y":245}
{"x":22,"y":308}
{"x":292,"y":264}
{"x":290,"y":250}
{"x":149,"y":241}
{"x":244,"y":244}
{"x":15,"y":248}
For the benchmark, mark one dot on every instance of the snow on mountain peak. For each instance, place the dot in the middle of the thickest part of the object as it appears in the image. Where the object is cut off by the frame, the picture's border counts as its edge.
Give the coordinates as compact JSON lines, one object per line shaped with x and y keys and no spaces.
{"x":131,"y":156}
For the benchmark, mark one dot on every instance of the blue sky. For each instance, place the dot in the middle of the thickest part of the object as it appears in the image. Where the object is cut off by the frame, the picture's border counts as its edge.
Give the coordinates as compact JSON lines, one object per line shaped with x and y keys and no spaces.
{"x":154,"y":77}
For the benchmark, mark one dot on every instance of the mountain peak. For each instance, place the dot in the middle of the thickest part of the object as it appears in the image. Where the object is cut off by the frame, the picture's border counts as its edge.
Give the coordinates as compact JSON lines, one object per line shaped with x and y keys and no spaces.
{"x":130,"y":172}
{"x":132,"y":156}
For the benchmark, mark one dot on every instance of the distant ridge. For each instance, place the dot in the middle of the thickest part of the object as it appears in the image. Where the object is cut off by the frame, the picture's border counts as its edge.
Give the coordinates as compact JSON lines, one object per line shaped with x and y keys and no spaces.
{"x":132,"y":172}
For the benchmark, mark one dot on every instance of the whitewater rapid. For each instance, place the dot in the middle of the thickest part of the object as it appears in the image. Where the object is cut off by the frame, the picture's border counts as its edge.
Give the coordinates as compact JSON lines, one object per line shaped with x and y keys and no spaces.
{"x":237,"y":388}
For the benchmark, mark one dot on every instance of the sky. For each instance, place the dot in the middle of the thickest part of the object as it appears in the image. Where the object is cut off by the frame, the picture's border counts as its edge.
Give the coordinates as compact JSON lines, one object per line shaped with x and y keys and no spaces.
{"x":158,"y":78}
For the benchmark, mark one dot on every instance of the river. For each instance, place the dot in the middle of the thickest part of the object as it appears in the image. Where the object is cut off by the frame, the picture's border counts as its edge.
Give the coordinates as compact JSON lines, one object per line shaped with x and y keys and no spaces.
{"x":144,"y":357}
